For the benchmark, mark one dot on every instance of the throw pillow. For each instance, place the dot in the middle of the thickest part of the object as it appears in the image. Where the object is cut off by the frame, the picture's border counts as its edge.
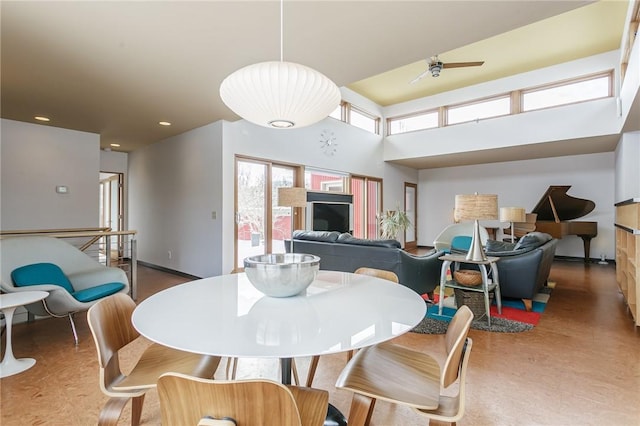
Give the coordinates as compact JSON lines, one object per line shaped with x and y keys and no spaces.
{"x":41,"y":273}
{"x":532,"y":240}
{"x":498,"y":246}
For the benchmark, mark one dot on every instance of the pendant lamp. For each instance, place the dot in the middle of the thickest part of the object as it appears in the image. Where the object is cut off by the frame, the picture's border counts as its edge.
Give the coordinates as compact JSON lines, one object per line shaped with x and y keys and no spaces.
{"x":280,"y":94}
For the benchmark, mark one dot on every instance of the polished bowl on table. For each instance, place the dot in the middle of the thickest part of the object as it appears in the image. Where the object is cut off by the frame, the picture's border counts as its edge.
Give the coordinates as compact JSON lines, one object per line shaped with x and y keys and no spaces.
{"x":281,"y":275}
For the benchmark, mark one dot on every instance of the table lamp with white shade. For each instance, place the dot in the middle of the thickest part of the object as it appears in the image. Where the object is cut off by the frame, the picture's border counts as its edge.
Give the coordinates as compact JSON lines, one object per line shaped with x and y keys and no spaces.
{"x":511,"y":215}
{"x":476,"y":207}
{"x":292,"y":197}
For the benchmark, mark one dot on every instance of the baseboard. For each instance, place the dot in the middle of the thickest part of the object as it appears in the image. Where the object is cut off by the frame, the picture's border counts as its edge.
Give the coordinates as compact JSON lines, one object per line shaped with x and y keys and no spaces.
{"x":581,"y":259}
{"x":168,"y":270}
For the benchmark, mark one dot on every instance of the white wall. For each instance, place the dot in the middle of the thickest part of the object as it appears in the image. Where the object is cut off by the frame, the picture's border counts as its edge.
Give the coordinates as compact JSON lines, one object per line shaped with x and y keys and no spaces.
{"x":567,"y":122}
{"x":174,"y":186}
{"x":627,"y":160}
{"x":34,"y":159}
{"x":570,"y":122}
{"x":358,"y":152}
{"x":114,"y":162}
{"x":521,"y":184}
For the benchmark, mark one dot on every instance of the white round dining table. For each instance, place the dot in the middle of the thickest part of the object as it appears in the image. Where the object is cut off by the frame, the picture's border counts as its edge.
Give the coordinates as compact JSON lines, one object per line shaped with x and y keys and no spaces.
{"x":226,"y":316}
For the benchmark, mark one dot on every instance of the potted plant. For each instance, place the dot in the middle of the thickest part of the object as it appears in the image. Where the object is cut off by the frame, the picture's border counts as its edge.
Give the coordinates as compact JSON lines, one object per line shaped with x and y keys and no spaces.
{"x":393,"y":221}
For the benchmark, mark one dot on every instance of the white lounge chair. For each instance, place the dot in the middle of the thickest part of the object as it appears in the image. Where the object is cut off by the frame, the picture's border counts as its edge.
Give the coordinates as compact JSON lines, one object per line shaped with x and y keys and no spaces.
{"x":74,"y":280}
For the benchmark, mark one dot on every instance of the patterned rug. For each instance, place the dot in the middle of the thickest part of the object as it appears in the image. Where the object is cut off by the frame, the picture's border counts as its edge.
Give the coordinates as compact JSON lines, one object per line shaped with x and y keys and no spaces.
{"x":514,"y":317}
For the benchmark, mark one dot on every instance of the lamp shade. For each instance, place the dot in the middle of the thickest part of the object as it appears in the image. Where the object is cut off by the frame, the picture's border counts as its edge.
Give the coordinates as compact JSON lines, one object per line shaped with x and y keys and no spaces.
{"x":292,"y":197}
{"x":476,"y":207}
{"x":280,"y":94}
{"x":512,"y":214}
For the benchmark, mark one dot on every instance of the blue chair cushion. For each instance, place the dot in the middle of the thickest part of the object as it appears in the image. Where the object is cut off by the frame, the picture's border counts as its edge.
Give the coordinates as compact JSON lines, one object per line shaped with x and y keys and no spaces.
{"x":460,"y":244}
{"x":97,"y":292}
{"x":41,"y":273}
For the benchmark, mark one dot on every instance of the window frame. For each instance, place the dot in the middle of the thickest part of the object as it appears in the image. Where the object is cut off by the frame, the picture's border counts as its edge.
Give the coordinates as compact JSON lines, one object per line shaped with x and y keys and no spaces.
{"x":516,"y":100}
{"x":568,"y":82}
{"x":350,"y":108}
{"x":478,"y":101}
{"x":414,"y":115}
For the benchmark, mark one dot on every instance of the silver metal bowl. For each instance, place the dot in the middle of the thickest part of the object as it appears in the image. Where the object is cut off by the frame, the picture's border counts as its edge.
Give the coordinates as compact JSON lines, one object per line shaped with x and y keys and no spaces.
{"x":281,"y":275}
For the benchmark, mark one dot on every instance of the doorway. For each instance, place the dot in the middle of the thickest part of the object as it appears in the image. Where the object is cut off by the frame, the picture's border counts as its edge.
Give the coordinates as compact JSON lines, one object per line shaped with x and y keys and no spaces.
{"x":112,"y":210}
{"x":411,"y":207}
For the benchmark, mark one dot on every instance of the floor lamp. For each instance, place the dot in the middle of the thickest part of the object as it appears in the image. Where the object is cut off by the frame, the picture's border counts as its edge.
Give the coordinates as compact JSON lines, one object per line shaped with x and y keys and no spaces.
{"x":292,"y":197}
{"x":511,"y":215}
{"x":476,"y":207}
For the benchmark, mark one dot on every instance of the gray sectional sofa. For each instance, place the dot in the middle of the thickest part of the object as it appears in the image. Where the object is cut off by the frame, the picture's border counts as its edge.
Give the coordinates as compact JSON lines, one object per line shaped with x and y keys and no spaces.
{"x":343,"y":252}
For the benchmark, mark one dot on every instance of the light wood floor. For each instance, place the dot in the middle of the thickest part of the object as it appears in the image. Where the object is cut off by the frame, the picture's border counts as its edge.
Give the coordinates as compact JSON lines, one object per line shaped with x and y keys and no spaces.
{"x":579,"y":366}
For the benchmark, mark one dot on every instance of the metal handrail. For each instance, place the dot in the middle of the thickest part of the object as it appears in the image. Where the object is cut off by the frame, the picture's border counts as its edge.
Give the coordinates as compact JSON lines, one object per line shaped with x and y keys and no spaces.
{"x":50,"y":231}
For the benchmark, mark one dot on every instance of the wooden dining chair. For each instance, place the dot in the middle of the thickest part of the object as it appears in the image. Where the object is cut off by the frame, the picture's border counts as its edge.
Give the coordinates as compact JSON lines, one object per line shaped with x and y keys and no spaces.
{"x":372,"y":272}
{"x":232,"y":370}
{"x":408,"y":377}
{"x":186,"y":400}
{"x":378,"y":273}
{"x":111,"y":327}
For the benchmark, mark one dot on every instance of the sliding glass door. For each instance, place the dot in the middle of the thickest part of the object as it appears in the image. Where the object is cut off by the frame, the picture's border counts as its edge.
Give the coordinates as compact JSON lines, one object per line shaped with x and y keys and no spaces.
{"x":261,"y":225}
{"x":367,"y":202}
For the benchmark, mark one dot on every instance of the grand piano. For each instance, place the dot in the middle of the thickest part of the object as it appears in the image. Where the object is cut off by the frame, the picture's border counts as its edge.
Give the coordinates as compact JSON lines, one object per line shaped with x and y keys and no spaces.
{"x":556,"y":211}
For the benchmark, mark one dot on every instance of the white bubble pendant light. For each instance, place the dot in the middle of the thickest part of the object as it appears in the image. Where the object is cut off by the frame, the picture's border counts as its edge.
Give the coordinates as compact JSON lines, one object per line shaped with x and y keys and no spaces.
{"x":280,"y":94}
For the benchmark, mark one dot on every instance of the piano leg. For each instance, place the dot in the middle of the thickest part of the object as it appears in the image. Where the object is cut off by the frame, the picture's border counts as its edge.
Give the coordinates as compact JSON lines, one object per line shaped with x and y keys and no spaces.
{"x":586,"y":241}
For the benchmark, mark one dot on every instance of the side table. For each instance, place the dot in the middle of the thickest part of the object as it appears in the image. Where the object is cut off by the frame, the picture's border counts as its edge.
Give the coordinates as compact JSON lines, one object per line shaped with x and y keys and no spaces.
{"x":8,"y":304}
{"x":486,"y":286}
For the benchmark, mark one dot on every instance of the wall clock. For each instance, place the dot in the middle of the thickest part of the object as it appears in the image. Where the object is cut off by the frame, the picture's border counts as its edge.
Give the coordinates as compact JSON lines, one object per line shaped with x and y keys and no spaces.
{"x":328,"y":142}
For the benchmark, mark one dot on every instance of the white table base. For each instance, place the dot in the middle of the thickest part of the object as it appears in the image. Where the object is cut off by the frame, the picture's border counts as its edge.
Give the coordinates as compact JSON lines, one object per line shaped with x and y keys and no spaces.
{"x":9,"y":302}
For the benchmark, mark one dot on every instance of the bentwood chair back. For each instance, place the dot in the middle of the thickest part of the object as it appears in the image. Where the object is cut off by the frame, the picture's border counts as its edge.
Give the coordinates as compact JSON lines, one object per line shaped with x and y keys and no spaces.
{"x":378,"y":273}
{"x":186,"y":400}
{"x":451,"y":408}
{"x":454,"y":342}
{"x":408,"y":377}
{"x":112,"y":330}
{"x":372,"y":272}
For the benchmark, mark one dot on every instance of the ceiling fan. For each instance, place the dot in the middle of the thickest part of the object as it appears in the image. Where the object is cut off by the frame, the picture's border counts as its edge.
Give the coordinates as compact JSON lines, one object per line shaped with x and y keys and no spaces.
{"x":435,"y":66}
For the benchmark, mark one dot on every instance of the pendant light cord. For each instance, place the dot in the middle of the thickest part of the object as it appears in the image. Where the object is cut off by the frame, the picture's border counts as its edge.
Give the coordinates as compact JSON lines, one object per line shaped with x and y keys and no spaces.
{"x":281,"y":30}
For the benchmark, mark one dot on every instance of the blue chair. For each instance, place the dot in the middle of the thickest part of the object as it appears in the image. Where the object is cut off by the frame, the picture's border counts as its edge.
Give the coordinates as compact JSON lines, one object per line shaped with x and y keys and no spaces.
{"x":443,"y":241}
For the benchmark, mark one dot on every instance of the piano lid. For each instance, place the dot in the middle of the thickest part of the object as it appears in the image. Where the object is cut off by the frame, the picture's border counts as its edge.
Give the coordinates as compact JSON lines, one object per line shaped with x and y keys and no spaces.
{"x":557,"y":206}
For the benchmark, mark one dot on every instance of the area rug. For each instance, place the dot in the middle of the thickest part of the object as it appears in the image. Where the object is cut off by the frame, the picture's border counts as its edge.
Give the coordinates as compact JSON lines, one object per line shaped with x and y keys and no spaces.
{"x":514,"y":317}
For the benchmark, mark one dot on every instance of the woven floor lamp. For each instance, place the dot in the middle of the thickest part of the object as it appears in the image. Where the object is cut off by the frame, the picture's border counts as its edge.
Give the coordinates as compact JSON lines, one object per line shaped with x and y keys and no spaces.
{"x":476,"y":207}
{"x":511,"y":215}
{"x":292,"y":197}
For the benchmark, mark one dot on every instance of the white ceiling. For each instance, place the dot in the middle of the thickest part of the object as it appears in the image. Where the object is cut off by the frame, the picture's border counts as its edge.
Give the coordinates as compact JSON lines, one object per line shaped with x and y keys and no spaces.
{"x":118,"y":68}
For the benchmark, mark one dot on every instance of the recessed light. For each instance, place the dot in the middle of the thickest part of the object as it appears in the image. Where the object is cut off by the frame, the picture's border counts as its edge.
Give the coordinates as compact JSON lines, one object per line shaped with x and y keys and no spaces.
{"x":115,"y":145}
{"x":41,"y":118}
{"x":164,"y":123}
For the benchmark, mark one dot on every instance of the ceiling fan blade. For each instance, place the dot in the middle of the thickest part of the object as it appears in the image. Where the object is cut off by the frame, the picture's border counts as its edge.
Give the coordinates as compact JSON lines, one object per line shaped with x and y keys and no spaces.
{"x":420,"y":77}
{"x":462,"y":64}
